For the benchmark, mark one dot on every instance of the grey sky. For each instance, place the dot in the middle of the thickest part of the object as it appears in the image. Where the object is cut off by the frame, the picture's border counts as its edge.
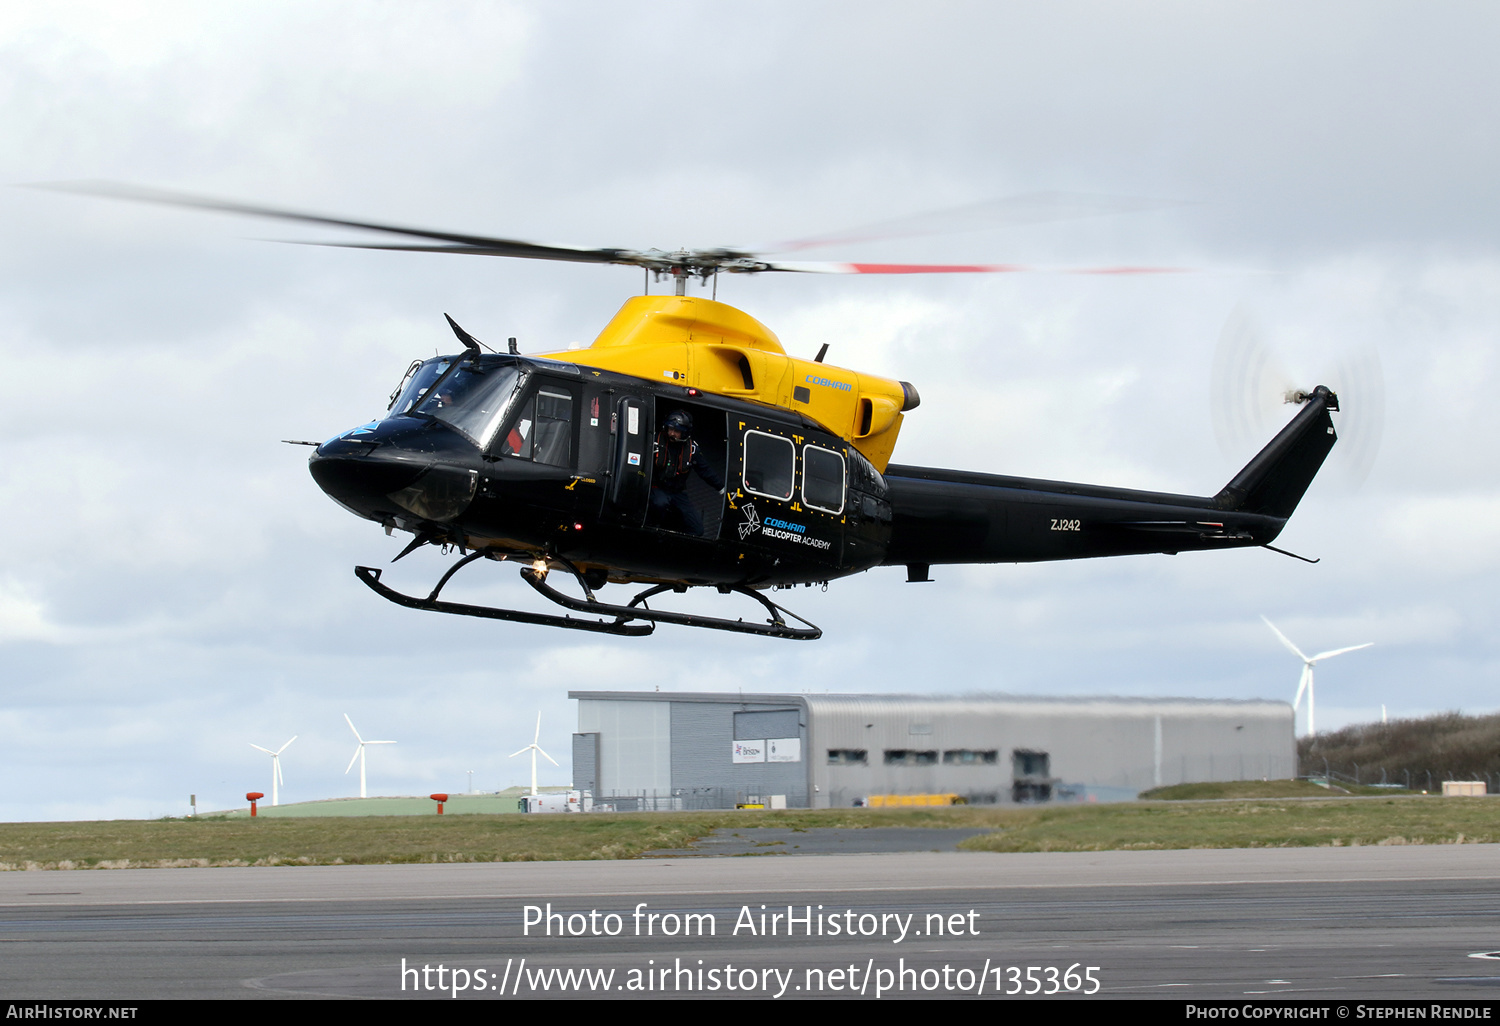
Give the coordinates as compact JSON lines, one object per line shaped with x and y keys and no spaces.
{"x":173,"y":586}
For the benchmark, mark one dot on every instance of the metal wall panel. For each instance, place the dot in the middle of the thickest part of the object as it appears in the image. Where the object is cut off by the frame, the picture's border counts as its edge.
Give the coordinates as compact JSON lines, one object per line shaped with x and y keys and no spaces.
{"x":1099,"y":749}
{"x":702,"y":755}
{"x":753,"y":726}
{"x":586,"y":762}
{"x":635,"y":744}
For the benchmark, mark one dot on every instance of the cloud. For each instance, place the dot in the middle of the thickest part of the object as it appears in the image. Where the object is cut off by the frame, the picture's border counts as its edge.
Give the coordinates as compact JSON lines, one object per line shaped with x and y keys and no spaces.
{"x":170,"y":574}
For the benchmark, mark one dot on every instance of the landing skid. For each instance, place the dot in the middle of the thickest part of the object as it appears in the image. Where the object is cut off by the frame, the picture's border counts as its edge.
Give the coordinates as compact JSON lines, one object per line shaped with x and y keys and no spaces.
{"x":626,"y":618}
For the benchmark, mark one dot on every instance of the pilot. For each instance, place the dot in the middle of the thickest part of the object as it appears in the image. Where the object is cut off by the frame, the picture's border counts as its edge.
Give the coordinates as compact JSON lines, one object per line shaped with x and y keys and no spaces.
{"x":677,"y":457}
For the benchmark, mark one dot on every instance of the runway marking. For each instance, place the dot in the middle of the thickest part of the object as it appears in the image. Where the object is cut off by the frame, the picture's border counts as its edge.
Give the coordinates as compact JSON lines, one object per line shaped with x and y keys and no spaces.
{"x":626,"y":892}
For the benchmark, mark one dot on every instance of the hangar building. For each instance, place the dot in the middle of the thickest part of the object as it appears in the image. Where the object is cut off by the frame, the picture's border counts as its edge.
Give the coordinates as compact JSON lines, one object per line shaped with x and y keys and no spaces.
{"x":701,"y":750}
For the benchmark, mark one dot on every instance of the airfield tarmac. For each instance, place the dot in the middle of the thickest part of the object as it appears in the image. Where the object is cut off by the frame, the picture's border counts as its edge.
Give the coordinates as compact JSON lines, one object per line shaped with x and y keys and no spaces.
{"x":1311,"y":923}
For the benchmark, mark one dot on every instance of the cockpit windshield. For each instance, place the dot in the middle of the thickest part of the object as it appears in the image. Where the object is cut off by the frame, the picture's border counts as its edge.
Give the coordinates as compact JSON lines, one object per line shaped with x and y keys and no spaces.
{"x":418,"y":380}
{"x":472,"y":399}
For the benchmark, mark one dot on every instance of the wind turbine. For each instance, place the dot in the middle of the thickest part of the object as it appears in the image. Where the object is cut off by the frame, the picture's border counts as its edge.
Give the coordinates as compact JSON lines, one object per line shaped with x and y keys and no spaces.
{"x":1308,"y":662}
{"x":275,"y":767}
{"x":533,"y":748}
{"x":359,"y":753}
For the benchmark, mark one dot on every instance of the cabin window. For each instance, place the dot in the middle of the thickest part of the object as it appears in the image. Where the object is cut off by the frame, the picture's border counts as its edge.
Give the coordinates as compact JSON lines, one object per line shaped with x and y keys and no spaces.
{"x":543,"y":432}
{"x":770,"y":465}
{"x":823,"y":479}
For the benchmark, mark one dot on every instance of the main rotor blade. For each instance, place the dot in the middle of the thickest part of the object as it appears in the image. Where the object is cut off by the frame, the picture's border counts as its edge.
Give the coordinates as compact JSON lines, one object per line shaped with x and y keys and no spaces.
{"x":512,"y":755}
{"x":538,"y":736}
{"x":549,"y":758}
{"x":833,"y":267}
{"x":356,"y":733}
{"x":1284,"y":640}
{"x":1025,"y":209}
{"x":1341,"y":651}
{"x":354,"y":758}
{"x":493,"y":247}
{"x":1301,"y":686}
{"x":287,"y":745}
{"x":266,"y":750}
{"x":1028,"y":208}
{"x":458,"y":242}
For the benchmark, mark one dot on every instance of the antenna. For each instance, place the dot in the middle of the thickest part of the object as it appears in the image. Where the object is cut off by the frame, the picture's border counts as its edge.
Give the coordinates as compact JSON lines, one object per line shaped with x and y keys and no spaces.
{"x":1306,"y":681}
{"x":533,"y":748}
{"x":275,"y":770}
{"x":359,"y":753}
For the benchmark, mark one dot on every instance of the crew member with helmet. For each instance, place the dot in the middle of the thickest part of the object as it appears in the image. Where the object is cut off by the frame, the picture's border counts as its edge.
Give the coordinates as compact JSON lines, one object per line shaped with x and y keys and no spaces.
{"x":677,"y":457}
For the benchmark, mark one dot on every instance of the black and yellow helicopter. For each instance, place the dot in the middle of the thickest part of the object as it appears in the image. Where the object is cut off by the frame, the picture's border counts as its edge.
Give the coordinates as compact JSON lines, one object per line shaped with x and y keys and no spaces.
{"x":685,"y":448}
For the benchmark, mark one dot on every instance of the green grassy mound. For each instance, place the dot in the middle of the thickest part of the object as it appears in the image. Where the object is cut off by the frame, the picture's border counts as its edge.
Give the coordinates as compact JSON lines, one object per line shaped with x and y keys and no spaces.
{"x":1261,"y":789}
{"x":509,"y":838}
{"x":1249,"y":824}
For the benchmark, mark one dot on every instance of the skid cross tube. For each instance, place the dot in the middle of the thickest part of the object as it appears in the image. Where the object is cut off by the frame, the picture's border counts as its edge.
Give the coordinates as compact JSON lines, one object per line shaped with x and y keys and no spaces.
{"x":628,"y":618}
{"x":776,"y":627}
{"x":371,"y":578}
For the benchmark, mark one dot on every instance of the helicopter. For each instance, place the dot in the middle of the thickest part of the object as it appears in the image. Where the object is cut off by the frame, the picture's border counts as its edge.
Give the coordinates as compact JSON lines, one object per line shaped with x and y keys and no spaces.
{"x":685,"y":448}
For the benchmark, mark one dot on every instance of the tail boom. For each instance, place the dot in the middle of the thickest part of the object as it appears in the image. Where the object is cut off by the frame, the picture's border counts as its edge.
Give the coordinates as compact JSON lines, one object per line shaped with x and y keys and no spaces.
{"x":948,"y":516}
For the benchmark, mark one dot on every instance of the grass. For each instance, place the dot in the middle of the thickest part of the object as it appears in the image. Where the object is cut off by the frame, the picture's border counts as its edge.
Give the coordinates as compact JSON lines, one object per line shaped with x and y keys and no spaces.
{"x":1248,"y":824}
{"x":482,"y":838}
{"x":1263,"y":789}
{"x":238,"y":841}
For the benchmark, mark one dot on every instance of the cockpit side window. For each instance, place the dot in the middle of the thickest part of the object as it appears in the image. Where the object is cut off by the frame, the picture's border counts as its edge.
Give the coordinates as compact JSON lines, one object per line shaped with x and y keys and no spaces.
{"x":542,"y":431}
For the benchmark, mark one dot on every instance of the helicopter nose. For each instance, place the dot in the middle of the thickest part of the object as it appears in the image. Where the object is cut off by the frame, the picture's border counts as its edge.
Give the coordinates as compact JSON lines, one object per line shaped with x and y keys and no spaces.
{"x":361,"y":481}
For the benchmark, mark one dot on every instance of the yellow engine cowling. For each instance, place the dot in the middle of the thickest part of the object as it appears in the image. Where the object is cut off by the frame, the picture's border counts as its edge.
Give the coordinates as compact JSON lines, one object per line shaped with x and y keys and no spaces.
{"x":713,"y":347}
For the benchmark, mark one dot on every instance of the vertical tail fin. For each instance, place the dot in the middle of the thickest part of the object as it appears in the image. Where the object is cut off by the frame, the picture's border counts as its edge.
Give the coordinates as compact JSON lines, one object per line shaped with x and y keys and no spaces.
{"x":1275,"y":480}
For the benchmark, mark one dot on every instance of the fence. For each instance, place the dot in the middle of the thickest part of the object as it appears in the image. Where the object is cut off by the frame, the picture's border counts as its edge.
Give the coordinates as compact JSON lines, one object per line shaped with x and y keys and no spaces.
{"x":1429,"y":780}
{"x":686,"y":799}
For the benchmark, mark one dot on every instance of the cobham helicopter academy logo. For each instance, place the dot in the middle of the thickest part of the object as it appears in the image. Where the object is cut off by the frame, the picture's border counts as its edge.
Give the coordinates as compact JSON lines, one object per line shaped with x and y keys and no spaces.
{"x":780,"y":529}
{"x":751,"y":524}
